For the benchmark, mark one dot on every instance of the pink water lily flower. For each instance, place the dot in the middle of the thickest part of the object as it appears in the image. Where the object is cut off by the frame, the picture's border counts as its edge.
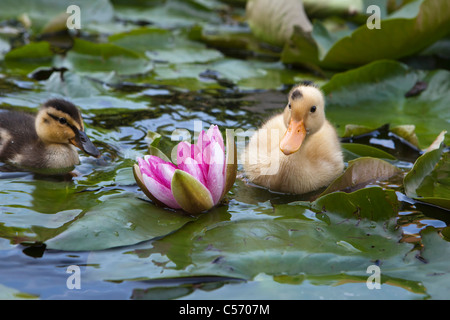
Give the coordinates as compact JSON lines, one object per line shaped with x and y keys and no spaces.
{"x":203,"y":175}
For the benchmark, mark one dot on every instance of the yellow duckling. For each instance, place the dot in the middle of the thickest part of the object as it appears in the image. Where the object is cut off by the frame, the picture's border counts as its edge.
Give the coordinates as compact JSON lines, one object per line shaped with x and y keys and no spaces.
{"x":297,"y":151}
{"x":45,"y":141}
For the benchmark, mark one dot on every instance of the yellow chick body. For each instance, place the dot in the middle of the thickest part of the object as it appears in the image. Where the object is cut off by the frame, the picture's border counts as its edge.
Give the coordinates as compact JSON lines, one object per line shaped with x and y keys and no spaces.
{"x":297,"y":151}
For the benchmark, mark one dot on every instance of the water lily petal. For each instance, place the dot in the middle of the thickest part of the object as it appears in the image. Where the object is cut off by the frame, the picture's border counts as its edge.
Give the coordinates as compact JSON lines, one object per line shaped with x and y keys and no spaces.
{"x":158,"y":169}
{"x":215,"y":178}
{"x":144,"y":167}
{"x":164,"y":173}
{"x":160,"y":192}
{"x":231,"y":161}
{"x":140,"y":182}
{"x":190,"y":193}
{"x":186,"y":154}
{"x":215,"y":135}
{"x":184,"y":151}
{"x":193,"y":168}
{"x":200,"y":155}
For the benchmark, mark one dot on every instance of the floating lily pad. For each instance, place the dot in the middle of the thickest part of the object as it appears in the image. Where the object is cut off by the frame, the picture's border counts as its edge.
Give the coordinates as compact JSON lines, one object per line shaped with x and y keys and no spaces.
{"x":40,"y":12}
{"x":119,"y":221}
{"x":361,"y":172}
{"x":421,"y":22}
{"x":429,"y":179}
{"x":356,"y":150}
{"x":29,"y":57}
{"x":375,"y":94}
{"x":89,"y":57}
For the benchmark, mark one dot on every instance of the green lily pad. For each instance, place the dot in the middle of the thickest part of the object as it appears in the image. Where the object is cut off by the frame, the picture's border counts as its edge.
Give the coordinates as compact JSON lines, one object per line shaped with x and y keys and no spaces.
{"x":89,"y":57}
{"x":118,"y":221}
{"x":163,"y":46}
{"x":421,"y":22}
{"x":352,"y":130}
{"x":361,"y":95}
{"x":289,"y":245}
{"x":331,"y":241}
{"x":29,"y":57}
{"x":429,"y":179}
{"x":40,"y":12}
{"x":372,"y":203}
{"x":361,"y":172}
{"x":407,"y":132}
{"x":144,"y":39}
{"x":356,"y":150}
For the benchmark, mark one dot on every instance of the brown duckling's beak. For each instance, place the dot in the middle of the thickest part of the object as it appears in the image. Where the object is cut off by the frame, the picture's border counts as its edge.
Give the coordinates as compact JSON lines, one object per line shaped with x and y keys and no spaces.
{"x":82,"y":141}
{"x":293,"y":138}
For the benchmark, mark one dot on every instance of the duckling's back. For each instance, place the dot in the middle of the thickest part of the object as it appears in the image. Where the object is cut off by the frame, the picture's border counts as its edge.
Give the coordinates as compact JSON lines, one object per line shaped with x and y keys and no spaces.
{"x":17,"y":134}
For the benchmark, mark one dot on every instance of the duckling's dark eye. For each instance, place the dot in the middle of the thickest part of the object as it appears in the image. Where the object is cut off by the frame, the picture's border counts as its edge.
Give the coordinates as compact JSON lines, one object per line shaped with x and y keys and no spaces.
{"x":62,"y":120}
{"x":289,"y":105}
{"x":313,"y":109}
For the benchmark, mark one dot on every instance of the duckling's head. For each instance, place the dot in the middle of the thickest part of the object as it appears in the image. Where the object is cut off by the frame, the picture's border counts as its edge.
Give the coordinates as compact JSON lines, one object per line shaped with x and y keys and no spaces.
{"x":304,"y":115}
{"x":59,"y":122}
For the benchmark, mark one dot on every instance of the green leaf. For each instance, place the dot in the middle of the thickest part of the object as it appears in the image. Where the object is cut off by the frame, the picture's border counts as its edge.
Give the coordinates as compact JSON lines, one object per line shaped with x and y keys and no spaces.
{"x":421,"y":22}
{"x":356,"y":230}
{"x":118,"y":221}
{"x":190,"y":194}
{"x":361,"y":172}
{"x":356,"y":150}
{"x":407,"y":132}
{"x":41,"y":12}
{"x":89,"y":57}
{"x":144,"y":39}
{"x":423,"y":167}
{"x":429,"y":179}
{"x":361,"y":95}
{"x":231,"y":160}
{"x":330,"y":247}
{"x":32,"y":52}
{"x":372,"y":203}
{"x":352,"y":130}
{"x":153,"y":138}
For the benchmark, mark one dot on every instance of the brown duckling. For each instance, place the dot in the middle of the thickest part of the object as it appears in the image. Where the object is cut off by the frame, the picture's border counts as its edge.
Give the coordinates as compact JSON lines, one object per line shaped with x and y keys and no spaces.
{"x":45,"y":142}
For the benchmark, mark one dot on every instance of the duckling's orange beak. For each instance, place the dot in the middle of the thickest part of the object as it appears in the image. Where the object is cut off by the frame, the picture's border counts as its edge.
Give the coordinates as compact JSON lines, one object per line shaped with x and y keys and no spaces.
{"x":293,"y":138}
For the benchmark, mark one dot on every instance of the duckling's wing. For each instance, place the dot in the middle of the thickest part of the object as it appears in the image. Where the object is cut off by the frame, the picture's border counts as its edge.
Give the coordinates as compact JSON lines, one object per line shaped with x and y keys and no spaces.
{"x":17,"y":130}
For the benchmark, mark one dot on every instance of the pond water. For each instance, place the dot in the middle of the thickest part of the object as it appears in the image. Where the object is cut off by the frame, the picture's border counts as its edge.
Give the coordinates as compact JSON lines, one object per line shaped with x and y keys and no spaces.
{"x":257,"y":244}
